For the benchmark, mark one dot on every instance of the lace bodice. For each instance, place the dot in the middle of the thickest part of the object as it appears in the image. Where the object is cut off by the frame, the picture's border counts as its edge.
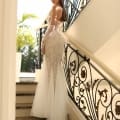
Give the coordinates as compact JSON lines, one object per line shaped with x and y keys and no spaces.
{"x":54,"y":42}
{"x":54,"y":46}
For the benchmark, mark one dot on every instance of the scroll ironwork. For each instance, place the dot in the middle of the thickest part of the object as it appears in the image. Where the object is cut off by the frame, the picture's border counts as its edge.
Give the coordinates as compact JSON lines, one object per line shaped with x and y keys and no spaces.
{"x":93,"y":93}
{"x":73,"y":8}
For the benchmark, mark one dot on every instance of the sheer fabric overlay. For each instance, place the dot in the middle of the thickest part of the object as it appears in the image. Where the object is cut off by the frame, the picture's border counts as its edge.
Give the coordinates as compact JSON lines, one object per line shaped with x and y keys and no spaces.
{"x":51,"y":93}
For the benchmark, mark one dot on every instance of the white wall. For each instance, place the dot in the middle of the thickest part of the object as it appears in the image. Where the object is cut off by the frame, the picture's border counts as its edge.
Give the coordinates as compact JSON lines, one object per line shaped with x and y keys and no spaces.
{"x":96,"y":24}
{"x":7,"y":59}
{"x":109,"y":53}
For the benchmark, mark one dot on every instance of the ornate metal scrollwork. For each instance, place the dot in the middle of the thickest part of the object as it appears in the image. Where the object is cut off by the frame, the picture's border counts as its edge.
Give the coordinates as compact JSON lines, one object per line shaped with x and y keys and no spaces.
{"x":95,"y":96}
{"x":73,"y":9}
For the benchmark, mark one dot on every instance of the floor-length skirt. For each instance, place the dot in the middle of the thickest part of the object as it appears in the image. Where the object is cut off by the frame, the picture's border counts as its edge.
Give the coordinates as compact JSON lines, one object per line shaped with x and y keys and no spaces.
{"x":40,"y":101}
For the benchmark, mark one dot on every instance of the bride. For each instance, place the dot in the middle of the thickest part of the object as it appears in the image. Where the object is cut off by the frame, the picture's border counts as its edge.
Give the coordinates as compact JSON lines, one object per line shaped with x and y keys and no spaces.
{"x":51,"y":94}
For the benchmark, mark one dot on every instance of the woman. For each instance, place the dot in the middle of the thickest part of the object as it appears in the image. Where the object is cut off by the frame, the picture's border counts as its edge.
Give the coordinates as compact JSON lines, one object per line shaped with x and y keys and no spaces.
{"x":51,"y":93}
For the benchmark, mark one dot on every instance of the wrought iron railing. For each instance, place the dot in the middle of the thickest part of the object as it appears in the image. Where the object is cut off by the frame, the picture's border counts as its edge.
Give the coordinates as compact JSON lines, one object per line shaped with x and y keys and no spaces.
{"x":91,"y":91}
{"x":73,"y":8}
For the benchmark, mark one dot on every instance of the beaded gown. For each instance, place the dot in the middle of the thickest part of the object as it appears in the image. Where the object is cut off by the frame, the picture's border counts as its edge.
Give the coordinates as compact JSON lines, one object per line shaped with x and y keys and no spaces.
{"x":51,"y":94}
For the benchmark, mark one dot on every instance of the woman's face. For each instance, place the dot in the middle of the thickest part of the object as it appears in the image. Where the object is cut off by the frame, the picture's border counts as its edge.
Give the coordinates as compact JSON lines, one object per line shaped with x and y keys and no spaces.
{"x":55,"y":1}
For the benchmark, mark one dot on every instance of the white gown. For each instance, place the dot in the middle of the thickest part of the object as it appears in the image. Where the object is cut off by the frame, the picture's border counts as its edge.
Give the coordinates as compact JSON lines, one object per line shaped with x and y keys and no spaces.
{"x":51,"y":93}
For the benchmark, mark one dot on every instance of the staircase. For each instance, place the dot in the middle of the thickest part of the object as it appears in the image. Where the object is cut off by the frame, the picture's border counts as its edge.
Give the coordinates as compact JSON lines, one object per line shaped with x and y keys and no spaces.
{"x":25,"y":92}
{"x":92,"y":76}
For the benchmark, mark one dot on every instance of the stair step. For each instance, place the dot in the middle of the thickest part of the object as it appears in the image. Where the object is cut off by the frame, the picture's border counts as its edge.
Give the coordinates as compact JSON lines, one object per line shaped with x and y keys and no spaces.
{"x":23,"y":105}
{"x":29,"y":118}
{"x":25,"y":92}
{"x":26,"y":87}
{"x":23,"y":112}
{"x":24,"y":99}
